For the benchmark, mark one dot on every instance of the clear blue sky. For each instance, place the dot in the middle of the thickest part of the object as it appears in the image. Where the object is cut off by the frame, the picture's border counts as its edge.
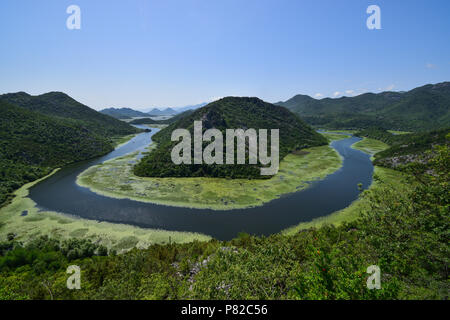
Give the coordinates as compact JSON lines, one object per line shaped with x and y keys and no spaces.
{"x":144,"y":53}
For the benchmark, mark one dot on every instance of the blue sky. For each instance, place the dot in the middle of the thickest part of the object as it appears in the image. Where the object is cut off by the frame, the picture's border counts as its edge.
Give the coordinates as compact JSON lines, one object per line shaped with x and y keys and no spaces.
{"x":145,"y":53}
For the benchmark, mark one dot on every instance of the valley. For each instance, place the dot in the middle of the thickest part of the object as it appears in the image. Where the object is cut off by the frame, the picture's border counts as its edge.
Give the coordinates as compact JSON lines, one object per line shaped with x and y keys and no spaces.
{"x":101,"y":200}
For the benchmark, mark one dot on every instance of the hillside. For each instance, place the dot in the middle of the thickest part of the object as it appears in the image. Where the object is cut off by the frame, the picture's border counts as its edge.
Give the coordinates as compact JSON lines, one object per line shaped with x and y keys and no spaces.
{"x":231,"y":113}
{"x":32,"y":144}
{"x":420,"y":109}
{"x":123,"y":113}
{"x":406,"y":149}
{"x":61,"y":105}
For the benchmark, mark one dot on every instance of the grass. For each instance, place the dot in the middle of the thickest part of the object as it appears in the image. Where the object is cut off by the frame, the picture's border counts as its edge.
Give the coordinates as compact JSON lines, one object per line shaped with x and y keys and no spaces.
{"x":370,"y":146}
{"x":115,"y":178}
{"x":399,"y":132}
{"x":56,"y":225}
{"x":335,"y":136}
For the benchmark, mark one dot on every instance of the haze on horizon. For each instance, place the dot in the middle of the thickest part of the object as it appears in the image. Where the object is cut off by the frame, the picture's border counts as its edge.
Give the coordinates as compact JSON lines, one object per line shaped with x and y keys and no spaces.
{"x":143,"y":54}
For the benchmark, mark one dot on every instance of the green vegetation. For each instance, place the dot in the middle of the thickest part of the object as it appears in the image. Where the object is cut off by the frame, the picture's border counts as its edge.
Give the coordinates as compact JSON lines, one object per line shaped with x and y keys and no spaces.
{"x":370,"y":146}
{"x":49,"y":131}
{"x":420,"y":109}
{"x":232,"y":113}
{"x":405,"y":234}
{"x":115,"y":178}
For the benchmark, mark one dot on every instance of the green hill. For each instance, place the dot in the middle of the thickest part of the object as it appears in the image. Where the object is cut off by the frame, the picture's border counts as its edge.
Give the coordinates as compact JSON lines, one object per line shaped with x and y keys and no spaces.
{"x":229,"y":113}
{"x":420,"y":109}
{"x":32,"y":144}
{"x":123,"y":113}
{"x":61,"y":105}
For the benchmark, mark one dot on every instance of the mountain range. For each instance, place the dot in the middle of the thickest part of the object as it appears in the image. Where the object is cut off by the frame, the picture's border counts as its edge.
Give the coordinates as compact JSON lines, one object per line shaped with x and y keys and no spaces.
{"x":420,"y":109}
{"x":128,"y":113}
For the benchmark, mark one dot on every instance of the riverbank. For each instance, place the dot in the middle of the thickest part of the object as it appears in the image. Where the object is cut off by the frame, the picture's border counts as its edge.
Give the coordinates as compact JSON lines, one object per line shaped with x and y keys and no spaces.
{"x":383,"y":178}
{"x":115,"y":178}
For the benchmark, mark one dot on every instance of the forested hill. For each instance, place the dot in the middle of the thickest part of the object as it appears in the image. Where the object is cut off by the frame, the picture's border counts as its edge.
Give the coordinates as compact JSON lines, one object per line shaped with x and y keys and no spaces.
{"x":32,"y":144}
{"x":229,"y":113}
{"x":61,"y":105}
{"x":420,"y":109}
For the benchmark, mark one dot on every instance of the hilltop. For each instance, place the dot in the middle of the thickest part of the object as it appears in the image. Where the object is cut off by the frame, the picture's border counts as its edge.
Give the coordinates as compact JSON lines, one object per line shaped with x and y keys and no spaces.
{"x":229,"y":113}
{"x":420,"y":109}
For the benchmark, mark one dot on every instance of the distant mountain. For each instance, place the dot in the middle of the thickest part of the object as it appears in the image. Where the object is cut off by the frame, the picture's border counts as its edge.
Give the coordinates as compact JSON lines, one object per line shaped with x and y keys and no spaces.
{"x":32,"y":144}
{"x":123,"y":113}
{"x":229,"y":113}
{"x":191,"y":107}
{"x":173,"y":111}
{"x":423,"y":108}
{"x":164,"y":112}
{"x":60,"y":105}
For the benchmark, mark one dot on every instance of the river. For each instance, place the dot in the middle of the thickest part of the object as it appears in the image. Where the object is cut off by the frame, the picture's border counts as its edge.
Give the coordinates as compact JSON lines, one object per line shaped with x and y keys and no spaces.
{"x":60,"y":193}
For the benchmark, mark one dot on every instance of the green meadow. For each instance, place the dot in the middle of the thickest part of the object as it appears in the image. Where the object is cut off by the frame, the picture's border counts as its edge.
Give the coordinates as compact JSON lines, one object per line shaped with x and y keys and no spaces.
{"x":370,"y":146}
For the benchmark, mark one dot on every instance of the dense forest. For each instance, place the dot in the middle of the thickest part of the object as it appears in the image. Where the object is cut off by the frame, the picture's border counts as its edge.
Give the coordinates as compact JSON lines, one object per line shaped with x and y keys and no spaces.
{"x":229,"y":113}
{"x":421,"y":109}
{"x":406,"y":235}
{"x":42,"y":136}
